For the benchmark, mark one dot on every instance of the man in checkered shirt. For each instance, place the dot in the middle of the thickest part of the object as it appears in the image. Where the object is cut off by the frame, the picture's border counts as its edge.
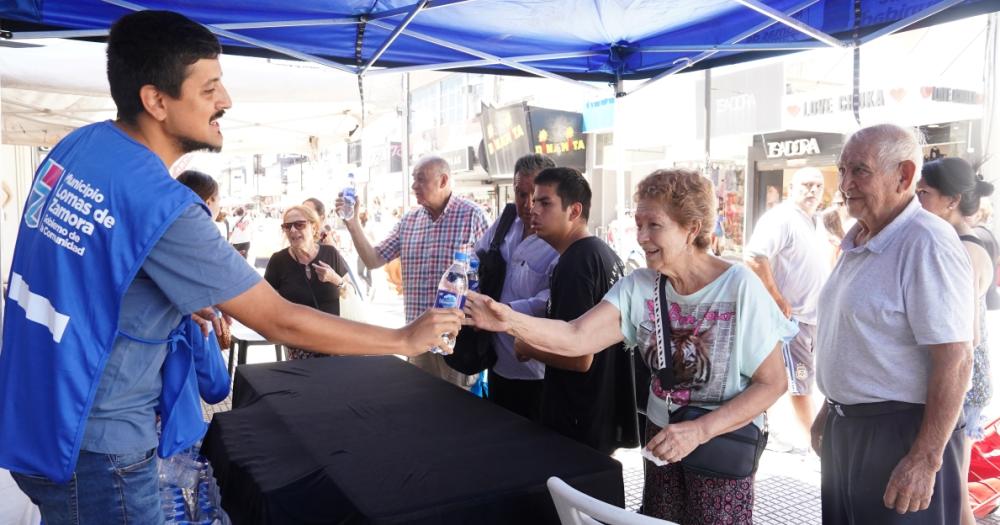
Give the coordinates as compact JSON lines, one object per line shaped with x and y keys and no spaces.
{"x":425,"y":239}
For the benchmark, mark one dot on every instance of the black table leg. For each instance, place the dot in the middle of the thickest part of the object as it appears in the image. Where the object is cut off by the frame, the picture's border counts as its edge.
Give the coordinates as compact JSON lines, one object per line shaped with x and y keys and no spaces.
{"x":229,"y":365}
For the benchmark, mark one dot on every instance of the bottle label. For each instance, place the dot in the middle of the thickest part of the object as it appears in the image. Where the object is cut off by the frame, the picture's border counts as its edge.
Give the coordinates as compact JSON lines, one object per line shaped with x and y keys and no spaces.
{"x":474,"y":285}
{"x":446,"y":299}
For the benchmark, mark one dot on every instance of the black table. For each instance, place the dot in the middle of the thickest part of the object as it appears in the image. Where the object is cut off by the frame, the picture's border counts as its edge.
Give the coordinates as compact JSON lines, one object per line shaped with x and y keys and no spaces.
{"x":375,"y":440}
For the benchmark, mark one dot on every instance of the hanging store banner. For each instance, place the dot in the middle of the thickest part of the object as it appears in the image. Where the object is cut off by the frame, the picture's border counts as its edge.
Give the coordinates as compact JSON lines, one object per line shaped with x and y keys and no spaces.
{"x":747,"y":101}
{"x":557,"y":134}
{"x":505,"y":136}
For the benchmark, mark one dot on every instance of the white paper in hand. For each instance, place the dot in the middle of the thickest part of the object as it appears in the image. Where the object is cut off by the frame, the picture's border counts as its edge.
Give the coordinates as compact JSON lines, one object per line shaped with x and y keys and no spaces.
{"x":649,"y":455}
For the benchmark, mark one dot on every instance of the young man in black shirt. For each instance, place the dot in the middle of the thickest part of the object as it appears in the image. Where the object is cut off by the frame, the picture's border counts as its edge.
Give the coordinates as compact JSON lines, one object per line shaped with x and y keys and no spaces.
{"x":585,"y":398}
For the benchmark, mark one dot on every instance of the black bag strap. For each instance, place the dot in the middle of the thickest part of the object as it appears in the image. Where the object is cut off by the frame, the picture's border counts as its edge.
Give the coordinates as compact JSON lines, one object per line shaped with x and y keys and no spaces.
{"x":975,"y":240}
{"x":506,"y":220}
{"x":990,"y":246}
{"x":666,"y":372}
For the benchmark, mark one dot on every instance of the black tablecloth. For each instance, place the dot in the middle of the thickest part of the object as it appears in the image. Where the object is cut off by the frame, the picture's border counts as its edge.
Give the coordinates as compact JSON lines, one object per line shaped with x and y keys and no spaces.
{"x":375,"y":440}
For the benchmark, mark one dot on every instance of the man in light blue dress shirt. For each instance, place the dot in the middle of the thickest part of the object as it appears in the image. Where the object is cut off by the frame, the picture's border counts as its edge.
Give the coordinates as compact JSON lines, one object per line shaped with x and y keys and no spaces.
{"x":517,"y":385}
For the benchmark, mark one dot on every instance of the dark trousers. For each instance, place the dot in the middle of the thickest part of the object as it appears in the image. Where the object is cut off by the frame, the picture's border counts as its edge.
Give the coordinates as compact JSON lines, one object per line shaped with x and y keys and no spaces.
{"x":520,"y":396}
{"x":859,"y":454}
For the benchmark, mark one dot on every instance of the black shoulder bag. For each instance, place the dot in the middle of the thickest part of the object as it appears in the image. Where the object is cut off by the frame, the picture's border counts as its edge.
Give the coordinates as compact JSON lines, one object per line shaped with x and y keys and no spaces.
{"x":474,"y":350}
{"x":732,"y":455}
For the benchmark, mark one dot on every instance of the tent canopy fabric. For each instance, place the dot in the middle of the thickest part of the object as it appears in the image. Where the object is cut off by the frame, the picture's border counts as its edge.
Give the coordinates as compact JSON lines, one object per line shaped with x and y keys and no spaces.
{"x":594,"y":40}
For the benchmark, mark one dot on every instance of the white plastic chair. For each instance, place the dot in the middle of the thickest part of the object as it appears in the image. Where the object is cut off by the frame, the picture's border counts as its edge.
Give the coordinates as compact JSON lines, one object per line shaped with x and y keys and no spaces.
{"x":577,"y":508}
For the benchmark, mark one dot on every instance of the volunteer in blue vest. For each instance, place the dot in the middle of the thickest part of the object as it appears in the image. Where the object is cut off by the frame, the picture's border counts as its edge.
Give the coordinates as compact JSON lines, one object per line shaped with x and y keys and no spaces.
{"x":111,"y":255}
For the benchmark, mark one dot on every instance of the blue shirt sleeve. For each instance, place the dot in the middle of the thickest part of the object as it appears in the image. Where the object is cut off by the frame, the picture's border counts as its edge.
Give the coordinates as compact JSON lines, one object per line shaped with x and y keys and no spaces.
{"x":195,"y":267}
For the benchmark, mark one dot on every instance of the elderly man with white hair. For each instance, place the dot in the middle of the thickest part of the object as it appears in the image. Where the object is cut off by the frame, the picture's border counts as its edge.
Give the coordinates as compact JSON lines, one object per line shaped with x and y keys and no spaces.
{"x":425,"y":240}
{"x":893,"y":347}
{"x":786,"y":252}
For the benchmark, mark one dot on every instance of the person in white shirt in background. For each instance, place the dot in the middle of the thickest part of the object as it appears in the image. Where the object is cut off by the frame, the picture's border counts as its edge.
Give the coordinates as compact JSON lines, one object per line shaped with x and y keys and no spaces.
{"x":786,"y":252}
{"x":241,"y":231}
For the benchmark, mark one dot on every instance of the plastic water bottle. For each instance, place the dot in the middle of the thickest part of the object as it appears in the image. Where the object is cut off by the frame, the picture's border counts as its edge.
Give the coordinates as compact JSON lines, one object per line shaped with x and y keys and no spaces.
{"x":451,"y":292}
{"x":350,"y":197}
{"x":472,"y":276}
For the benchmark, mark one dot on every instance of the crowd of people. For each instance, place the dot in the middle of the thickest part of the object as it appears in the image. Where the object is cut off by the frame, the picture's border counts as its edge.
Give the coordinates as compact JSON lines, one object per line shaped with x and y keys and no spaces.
{"x":889,"y":326}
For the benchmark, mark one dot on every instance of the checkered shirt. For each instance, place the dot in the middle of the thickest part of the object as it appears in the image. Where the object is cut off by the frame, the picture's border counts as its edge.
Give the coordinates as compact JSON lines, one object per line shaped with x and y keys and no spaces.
{"x":427,"y":248}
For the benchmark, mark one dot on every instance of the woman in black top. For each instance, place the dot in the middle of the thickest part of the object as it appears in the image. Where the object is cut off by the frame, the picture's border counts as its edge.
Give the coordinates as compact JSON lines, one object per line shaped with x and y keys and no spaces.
{"x":306,"y":272}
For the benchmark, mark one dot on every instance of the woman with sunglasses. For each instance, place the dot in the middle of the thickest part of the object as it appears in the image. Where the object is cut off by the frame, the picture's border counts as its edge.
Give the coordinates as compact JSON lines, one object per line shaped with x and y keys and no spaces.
{"x":307,"y":273}
{"x":720,"y":349}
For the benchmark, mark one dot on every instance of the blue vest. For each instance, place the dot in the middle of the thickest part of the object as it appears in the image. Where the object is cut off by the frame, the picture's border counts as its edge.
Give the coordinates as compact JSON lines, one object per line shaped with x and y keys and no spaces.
{"x":98,"y":204}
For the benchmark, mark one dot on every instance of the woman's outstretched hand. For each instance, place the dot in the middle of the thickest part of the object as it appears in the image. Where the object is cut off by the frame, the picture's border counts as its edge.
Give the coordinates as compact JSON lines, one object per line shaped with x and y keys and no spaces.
{"x":486,"y":314}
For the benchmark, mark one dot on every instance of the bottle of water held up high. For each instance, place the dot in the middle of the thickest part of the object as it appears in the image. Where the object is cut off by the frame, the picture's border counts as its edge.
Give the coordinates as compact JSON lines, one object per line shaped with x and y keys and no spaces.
{"x":350,"y":198}
{"x":451,"y":292}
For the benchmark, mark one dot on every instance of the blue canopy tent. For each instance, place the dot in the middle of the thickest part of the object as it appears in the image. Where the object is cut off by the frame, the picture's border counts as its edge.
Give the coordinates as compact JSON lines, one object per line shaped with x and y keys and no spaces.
{"x":570,"y":40}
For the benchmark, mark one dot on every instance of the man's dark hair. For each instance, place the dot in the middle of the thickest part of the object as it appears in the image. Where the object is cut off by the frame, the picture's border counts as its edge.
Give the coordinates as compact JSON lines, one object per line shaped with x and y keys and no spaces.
{"x":317,"y":205}
{"x":155,"y":48}
{"x":570,"y":186}
{"x":202,"y":184}
{"x":533,"y":163}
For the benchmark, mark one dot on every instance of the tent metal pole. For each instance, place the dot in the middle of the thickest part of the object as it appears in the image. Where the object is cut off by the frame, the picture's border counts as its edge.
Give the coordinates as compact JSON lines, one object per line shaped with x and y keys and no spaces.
{"x":688,"y":62}
{"x":480,"y":54}
{"x":405,"y":9}
{"x":69,"y":33}
{"x":305,"y":57}
{"x":341,"y":21}
{"x":772,"y":13}
{"x":393,"y":36}
{"x":435,"y":67}
{"x":484,"y":62}
{"x":791,"y":46}
{"x":45,"y":111}
{"x":910,"y":20}
{"x":345,"y":20}
{"x":708,"y":123}
{"x":405,"y":142}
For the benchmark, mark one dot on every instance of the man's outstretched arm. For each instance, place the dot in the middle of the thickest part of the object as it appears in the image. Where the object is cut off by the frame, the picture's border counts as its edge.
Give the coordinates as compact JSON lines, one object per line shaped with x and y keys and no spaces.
{"x":267,"y":313}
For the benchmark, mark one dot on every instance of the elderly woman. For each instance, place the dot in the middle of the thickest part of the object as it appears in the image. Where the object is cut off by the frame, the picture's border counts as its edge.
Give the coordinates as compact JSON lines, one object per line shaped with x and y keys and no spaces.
{"x":723,"y":347}
{"x":950,"y":189}
{"x":307,"y":272}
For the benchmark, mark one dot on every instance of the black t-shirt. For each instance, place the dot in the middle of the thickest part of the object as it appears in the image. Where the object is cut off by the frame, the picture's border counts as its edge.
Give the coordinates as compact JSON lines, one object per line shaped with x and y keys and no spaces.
{"x":288,"y":277}
{"x":593,"y":407}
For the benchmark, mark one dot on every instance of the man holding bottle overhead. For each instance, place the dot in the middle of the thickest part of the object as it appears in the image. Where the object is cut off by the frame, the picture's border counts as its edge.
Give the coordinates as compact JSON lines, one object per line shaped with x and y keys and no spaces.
{"x":425,"y":240}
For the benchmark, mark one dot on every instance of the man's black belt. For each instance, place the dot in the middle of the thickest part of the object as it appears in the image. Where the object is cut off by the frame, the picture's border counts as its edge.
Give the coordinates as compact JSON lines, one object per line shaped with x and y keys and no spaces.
{"x":871,"y":409}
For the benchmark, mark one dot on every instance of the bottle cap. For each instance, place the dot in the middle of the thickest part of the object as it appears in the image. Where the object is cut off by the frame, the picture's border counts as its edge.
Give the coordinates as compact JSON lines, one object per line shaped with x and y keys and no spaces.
{"x":461,"y":256}
{"x":474,"y":264}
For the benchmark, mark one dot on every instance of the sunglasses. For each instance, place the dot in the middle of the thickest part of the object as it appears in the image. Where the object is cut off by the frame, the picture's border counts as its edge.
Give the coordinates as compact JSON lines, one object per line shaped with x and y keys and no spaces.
{"x":298,"y":225}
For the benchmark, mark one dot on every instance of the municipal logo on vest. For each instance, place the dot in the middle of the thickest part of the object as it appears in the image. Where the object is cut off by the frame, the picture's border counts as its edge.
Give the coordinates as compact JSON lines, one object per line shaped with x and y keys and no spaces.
{"x":51,"y":172}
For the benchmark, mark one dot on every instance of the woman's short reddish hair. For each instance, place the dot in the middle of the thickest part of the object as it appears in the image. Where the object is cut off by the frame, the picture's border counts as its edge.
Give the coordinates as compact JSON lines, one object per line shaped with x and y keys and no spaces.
{"x":686,"y":196}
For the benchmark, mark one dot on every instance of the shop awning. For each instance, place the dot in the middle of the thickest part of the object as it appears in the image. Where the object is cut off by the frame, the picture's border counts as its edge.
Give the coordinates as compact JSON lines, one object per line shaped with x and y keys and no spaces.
{"x":590,"y":40}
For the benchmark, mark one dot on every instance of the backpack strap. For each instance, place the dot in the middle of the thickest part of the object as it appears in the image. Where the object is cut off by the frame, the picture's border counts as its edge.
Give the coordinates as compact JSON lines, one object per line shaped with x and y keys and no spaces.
{"x":506,"y":220}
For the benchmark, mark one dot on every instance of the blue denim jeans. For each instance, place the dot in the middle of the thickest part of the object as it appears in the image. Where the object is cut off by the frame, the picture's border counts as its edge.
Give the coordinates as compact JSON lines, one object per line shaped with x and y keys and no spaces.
{"x":104,"y":489}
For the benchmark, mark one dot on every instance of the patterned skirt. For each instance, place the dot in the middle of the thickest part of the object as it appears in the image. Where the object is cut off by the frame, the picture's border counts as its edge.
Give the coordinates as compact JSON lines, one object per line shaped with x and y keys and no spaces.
{"x":683,"y":497}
